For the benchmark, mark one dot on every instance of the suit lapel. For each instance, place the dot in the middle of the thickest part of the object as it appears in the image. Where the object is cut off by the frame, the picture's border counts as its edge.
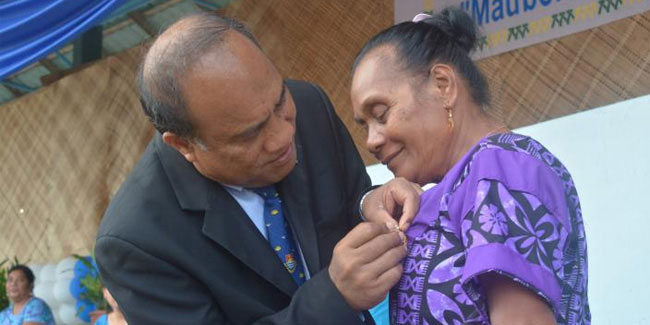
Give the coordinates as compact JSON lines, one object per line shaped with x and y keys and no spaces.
{"x":228,"y":225}
{"x":294,"y":190}
{"x":225,"y":222}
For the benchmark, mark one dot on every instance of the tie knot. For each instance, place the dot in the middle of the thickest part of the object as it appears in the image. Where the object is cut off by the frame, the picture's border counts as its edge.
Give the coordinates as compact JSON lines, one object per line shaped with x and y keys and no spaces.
{"x":266,"y":192}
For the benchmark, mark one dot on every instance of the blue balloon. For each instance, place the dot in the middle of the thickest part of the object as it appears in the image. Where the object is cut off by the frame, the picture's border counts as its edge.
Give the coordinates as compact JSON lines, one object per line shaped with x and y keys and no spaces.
{"x":81,"y":270}
{"x":76,"y":289}
{"x":84,"y":308}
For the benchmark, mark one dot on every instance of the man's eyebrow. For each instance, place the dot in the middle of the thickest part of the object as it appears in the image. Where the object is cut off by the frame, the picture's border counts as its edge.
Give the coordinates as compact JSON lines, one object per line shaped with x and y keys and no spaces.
{"x":256,"y":127}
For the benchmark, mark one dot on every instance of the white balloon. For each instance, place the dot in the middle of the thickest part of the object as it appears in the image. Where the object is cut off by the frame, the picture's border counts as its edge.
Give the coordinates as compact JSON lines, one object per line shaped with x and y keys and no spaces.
{"x":36,"y":269}
{"x":65,"y":268}
{"x":45,"y":291}
{"x":57,"y":319}
{"x":68,"y":314}
{"x":62,"y":291}
{"x":48,"y":273}
{"x":39,"y":290}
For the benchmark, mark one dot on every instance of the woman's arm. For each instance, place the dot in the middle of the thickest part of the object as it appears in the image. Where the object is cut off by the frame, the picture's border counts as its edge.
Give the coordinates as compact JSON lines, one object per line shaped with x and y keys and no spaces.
{"x":511,"y":303}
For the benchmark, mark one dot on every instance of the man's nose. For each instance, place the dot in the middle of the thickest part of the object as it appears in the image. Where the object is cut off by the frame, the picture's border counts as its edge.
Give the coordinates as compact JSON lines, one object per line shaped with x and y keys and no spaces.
{"x":280,"y":134}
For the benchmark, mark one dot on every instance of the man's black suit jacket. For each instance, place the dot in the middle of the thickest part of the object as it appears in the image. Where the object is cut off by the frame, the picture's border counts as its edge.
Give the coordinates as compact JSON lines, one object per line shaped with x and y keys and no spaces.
{"x":176,"y":248}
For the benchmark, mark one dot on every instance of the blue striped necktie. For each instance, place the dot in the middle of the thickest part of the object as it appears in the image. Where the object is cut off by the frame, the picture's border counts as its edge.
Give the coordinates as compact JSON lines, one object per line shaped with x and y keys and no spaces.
{"x":279,"y":234}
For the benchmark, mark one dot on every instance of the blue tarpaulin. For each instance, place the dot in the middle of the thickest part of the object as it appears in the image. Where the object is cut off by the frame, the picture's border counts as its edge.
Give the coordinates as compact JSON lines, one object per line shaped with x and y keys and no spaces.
{"x":31,"y":29}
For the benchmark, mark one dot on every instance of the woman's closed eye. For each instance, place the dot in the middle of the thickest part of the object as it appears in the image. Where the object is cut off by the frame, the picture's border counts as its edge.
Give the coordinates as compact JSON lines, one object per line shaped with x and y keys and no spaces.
{"x":380,"y":113}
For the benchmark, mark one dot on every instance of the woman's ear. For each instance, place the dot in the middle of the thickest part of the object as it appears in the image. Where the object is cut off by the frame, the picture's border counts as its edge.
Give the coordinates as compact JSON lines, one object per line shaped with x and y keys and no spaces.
{"x":445,"y":84}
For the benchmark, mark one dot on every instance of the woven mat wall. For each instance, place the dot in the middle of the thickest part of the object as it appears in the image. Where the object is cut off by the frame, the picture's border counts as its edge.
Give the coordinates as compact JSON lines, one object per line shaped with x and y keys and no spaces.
{"x":67,"y":147}
{"x":65,"y":150}
{"x":317,"y":41}
{"x":590,"y":69}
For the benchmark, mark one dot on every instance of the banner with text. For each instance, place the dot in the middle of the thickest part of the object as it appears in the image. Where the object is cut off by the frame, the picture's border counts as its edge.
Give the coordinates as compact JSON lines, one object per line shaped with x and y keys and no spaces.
{"x":511,"y":24}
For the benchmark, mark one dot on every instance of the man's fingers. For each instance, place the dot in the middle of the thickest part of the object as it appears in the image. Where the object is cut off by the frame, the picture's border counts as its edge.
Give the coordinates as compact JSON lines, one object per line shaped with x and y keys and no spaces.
{"x":397,"y":200}
{"x":378,"y":246}
{"x":408,"y":202}
{"x":417,"y":188}
{"x":389,"y":259}
{"x":381,"y":215}
{"x":363,"y":233}
{"x":369,"y":251}
{"x":409,"y":210}
{"x":389,"y":203}
{"x":390,"y":277}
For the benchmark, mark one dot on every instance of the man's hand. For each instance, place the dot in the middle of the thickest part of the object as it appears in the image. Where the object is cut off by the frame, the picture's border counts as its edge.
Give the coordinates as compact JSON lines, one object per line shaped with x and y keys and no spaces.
{"x":398,"y":200}
{"x":366,"y":263}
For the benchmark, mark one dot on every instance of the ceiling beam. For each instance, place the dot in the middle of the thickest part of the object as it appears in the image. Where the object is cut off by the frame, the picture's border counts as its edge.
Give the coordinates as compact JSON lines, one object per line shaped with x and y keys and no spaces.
{"x":51,"y":67}
{"x":206,"y":5}
{"x":15,"y":92}
{"x":15,"y":88}
{"x":140,"y":19}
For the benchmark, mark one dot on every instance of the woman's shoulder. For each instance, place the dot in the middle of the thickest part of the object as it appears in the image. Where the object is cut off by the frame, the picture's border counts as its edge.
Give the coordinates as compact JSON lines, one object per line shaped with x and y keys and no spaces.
{"x":37,"y":310}
{"x":36,"y":302}
{"x":515,"y":144}
{"x":521,"y":164}
{"x":37,"y":307}
{"x":511,"y":155}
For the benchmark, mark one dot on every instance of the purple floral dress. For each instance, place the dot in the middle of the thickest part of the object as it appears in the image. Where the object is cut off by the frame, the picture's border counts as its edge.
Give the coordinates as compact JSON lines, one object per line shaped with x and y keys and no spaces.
{"x":508,"y":206}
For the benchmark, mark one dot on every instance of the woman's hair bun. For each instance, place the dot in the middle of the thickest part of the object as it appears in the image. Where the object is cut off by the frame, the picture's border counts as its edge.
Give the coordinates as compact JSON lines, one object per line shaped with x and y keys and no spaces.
{"x":457,"y":25}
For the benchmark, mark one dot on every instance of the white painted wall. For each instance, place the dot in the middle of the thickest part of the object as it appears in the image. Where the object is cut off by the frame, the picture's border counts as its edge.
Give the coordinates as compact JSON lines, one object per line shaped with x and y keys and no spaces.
{"x":607,"y":152}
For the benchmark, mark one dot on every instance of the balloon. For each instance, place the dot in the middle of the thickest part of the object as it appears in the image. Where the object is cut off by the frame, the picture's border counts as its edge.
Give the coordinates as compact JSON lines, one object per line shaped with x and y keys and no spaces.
{"x":80,"y":269}
{"x":36,"y":269}
{"x":76,"y":289}
{"x":45,"y":291}
{"x":48,"y":273}
{"x":68,"y":314}
{"x":84,"y":308}
{"x":65,"y":268}
{"x":55,"y":313}
{"x":62,"y":292}
{"x":39,"y":290}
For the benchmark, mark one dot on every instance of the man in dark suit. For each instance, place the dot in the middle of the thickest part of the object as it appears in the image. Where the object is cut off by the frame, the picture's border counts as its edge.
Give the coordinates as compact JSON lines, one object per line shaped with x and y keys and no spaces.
{"x":184,"y":240}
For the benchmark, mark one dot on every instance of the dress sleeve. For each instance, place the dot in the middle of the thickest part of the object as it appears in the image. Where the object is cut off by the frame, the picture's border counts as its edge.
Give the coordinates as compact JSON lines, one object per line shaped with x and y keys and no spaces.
{"x":37,"y":311}
{"x":4,"y":315}
{"x":513,"y":233}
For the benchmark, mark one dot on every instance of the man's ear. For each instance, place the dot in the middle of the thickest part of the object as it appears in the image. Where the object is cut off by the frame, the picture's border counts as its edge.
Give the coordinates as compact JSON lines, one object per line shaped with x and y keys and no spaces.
{"x":445,"y":83}
{"x":181,"y":144}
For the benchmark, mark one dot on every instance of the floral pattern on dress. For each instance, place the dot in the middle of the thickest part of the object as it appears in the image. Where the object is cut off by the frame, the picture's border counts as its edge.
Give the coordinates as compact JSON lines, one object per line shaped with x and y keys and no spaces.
{"x":440,"y":283}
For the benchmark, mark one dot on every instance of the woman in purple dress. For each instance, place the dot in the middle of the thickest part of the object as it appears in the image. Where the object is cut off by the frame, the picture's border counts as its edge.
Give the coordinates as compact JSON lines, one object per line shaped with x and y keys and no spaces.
{"x":500,"y":238}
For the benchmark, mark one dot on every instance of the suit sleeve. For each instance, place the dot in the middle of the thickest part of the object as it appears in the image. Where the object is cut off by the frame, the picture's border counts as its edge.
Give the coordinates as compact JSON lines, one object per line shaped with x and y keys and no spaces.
{"x":140,"y":292}
{"x":142,"y":283}
{"x":317,"y":302}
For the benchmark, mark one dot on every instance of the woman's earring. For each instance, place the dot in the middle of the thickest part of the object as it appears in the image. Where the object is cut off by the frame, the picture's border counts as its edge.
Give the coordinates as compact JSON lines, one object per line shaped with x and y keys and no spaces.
{"x":450,"y":117}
